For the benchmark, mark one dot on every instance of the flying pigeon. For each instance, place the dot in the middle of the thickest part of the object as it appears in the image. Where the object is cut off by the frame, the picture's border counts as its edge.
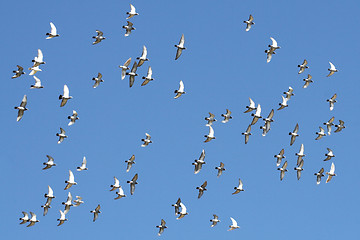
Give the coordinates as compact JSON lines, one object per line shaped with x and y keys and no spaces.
{"x":329,"y":124}
{"x":220,"y":169}
{"x":307,"y":80}
{"x":25,"y":218}
{"x":71,"y":181}
{"x":283,"y":170}
{"x":143,"y":57}
{"x":146,"y":140}
{"x":32,"y":220}
{"x":129,"y":27}
{"x":124,"y":68}
{"x":116,"y":184}
{"x":332,"y":101}
{"x":177,"y":206}
{"x":148,"y":77}
{"x":61,"y":135}
{"x":268,"y":121}
{"x":210,"y":136}
{"x":247,"y":133}
{"x":272,"y":49}
{"x":180,"y":47}
{"x":251,"y":106}
{"x":331,"y":173}
{"x":132,"y":74}
{"x":180,"y":91}
{"x":22,"y":108}
{"x":46,"y":206}
{"x":283,"y":104}
{"x":49,"y":163}
{"x":161,"y":227}
{"x":97,"y":80}
{"x":50,"y":193}
{"x":300,"y":154}
{"x":83,"y":165}
{"x":329,"y":155}
{"x":294,"y":134}
{"x":68,"y":203}
{"x":201,"y":189}
{"x":37,"y":83}
{"x":73,"y":118}
{"x":120,"y":193}
{"x":233,"y":225}
{"x":279,"y":157}
{"x":183,"y":211}
{"x":299,"y":169}
{"x":303,"y":66}
{"x":62,"y":218}
{"x":214,"y":221}
{"x":18,"y":72}
{"x":132,"y":12}
{"x":99,"y":37}
{"x":332,"y":69}
{"x":320,"y":134}
{"x":210,"y":119}
{"x":199,"y":162}
{"x":133,"y":183}
{"x":289,"y":93}
{"x":53,"y":32}
{"x":226,"y":116}
{"x":340,"y":126}
{"x":257,"y":115}
{"x":64,"y":98}
{"x":319,"y":175}
{"x":78,"y":201}
{"x":249,"y":23}
{"x":96,"y":212}
{"x":239,"y":188}
{"x":39,"y":59}
{"x":130,"y":162}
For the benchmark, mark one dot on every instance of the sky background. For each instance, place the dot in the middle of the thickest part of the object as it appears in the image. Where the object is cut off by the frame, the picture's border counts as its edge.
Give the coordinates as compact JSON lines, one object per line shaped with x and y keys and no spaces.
{"x":221,"y":68}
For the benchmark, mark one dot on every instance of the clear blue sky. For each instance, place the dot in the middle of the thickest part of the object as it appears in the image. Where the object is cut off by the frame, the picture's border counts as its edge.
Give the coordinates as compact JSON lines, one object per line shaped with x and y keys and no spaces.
{"x":222,"y":66}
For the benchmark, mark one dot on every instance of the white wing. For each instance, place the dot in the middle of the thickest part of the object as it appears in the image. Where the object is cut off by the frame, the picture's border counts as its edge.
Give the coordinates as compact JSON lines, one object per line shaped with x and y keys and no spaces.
{"x":182,"y":41}
{"x":252,"y":104}
{"x":181,"y":88}
{"x":50,"y":192}
{"x":183,"y":208}
{"x":132,"y":9}
{"x":71,"y":176}
{"x":116,"y":181}
{"x":332,"y":67}
{"x":149,"y":73}
{"x":144,"y":53}
{"x":332,"y":169}
{"x":274,"y":43}
{"x":284,"y":101}
{"x":301,"y":150}
{"x":66,"y":91}
{"x":234,"y":223}
{"x":40,"y":56}
{"x":37,"y":81}
{"x":211,"y":132}
{"x":53,"y":29}
{"x":258,"y":110}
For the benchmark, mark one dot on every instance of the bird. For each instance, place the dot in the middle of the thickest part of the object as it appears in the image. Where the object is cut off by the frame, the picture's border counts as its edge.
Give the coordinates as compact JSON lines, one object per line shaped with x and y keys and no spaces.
{"x":283,"y":170}
{"x":37,"y":83}
{"x":34,"y":69}
{"x":53,"y":32}
{"x":300,"y":154}
{"x":116,"y":184}
{"x":331,"y":173}
{"x":340,"y":126}
{"x":161,"y":227}
{"x":71,"y":181}
{"x":332,"y":101}
{"x":62,"y":218}
{"x":22,"y":108}
{"x":307,"y":80}
{"x":143,"y":57}
{"x":294,"y":134}
{"x":283,"y":104}
{"x":256,"y":115}
{"x":268,"y":121}
{"x":97,"y":80}
{"x":39,"y":59}
{"x":177,"y":206}
{"x":272,"y":49}
{"x":77,"y":201}
{"x":96,"y":212}
{"x":124,"y":68}
{"x":61,"y":135}
{"x":83,"y":165}
{"x":233,"y":225}
{"x":226,"y":116}
{"x":319,"y":175}
{"x":73,"y":118}
{"x":214,"y":221}
{"x":32,"y":220}
{"x":146,"y":140}
{"x":332,"y":69}
{"x":247,"y":133}
{"x":201,"y":189}
{"x":132,"y":183}
{"x":289,"y":93}
{"x":328,"y":125}
{"x":25,"y":218}
{"x":251,"y":106}
{"x":303,"y":66}
{"x":239,"y":188}
{"x":132,"y":12}
{"x":220,"y":169}
{"x":68,"y":203}
{"x":99,"y":37}
{"x":183,"y":211}
{"x":129,"y":27}
{"x":299,"y":169}
{"x":249,"y":23}
{"x":18,"y":72}
{"x":148,"y":77}
{"x":279,"y":157}
{"x":329,"y":154}
{"x":210,"y":136}
{"x":180,"y":91}
{"x":46,"y":206}
{"x":320,"y":134}
{"x":50,"y":193}
{"x":120,"y":193}
{"x":130,"y":162}
{"x":180,"y":47}
{"x":49,"y":163}
{"x":210,"y":119}
{"x":64,"y":98}
{"x":199,"y":162}
{"x":132,"y":74}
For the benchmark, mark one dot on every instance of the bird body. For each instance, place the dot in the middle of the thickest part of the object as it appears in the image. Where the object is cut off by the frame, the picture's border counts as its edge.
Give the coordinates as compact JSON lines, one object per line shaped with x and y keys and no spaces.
{"x":64,"y":98}
{"x":214,"y":221}
{"x":233,"y":225}
{"x":96,"y":212}
{"x":147,"y":140}
{"x":18,"y":72}
{"x":247,"y":133}
{"x":227,"y":116}
{"x":180,"y":91}
{"x":283,"y":170}
{"x":303,"y":66}
{"x":132,"y":12}
{"x":148,"y":77}
{"x":129,"y":27}
{"x":180,"y":47}
{"x":143,"y":57}
{"x":61,"y":136}
{"x":239,"y":188}
{"x":53,"y":32}
{"x":71,"y":180}
{"x":210,"y":136}
{"x":331,"y":173}
{"x":83,"y":165}
{"x":132,"y":183}
{"x":294,"y":134}
{"x":97,"y":80}
{"x":99,"y":37}
{"x":332,"y":69}
{"x":249,"y":23}
{"x":22,"y":108}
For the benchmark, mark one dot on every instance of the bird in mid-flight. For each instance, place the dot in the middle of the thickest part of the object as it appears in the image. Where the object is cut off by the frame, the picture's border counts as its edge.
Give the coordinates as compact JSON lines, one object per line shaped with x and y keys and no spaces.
{"x":161,"y":227}
{"x":64,"y":98}
{"x":73,"y":118}
{"x":124,"y":68}
{"x":283,"y":170}
{"x":249,"y":23}
{"x":329,"y":155}
{"x":332,"y":101}
{"x":319,"y":175}
{"x":332,"y":69}
{"x":272,"y":49}
{"x":146,"y":140}
{"x":331,"y":173}
{"x":132,"y":74}
{"x":49,"y":163}
{"x":96,"y":212}
{"x":201,"y":189}
{"x":214,"y":221}
{"x":22,"y":108}
{"x":233,"y":225}
{"x":53,"y":32}
{"x":143,"y":57}
{"x":129,"y":27}
{"x":180,"y":91}
{"x":220,"y":169}
{"x":148,"y":77}
{"x":247,"y":133}
{"x":210,"y":119}
{"x":303,"y":66}
{"x":227,"y":116}
{"x":210,"y":136}
{"x":83,"y":165}
{"x":239,"y":188}
{"x":180,"y":47}
{"x":132,"y":12}
{"x":71,"y":181}
{"x":18,"y":72}
{"x":97,"y":80}
{"x":61,"y":136}
{"x":132,"y":183}
{"x":251,"y":106}
{"x":99,"y":37}
{"x":294,"y":134}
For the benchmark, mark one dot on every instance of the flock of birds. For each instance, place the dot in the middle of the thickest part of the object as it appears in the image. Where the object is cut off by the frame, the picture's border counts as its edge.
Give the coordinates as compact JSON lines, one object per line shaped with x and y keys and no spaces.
{"x":180,"y":208}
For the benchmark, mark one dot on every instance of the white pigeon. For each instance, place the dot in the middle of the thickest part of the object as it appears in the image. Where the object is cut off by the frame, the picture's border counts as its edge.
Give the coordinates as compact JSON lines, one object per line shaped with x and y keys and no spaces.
{"x":77,"y":201}
{"x":294,"y":134}
{"x":329,"y":155}
{"x":210,"y":136}
{"x":99,"y":37}
{"x":249,"y":23}
{"x":62,"y":218}
{"x":299,"y":169}
{"x":180,"y":47}
{"x":37,"y":83}
{"x":199,"y":162}
{"x":247,"y":133}
{"x":130,"y":162}
{"x":214,"y":221}
{"x":328,"y":125}
{"x":18,"y":72}
{"x":143,"y":57}
{"x":146,"y":140}
{"x":96,"y":212}
{"x":320,"y":134}
{"x":49,"y":163}
{"x":116,"y":184}
{"x":233,"y":225}
{"x":183,"y":211}
{"x":25,"y":218}
{"x":257,"y":115}
{"x":289,"y":93}
{"x":65,"y":97}
{"x":132,"y":12}
{"x":332,"y":101}
{"x":227,"y":116}
{"x":283,"y":170}
{"x":180,"y":91}
{"x":272,"y":49}
{"x":32,"y":220}
{"x":53,"y":32}
{"x":39,"y":59}
{"x":83,"y":165}
{"x":283,"y":104}
{"x":300,"y":154}
{"x":124,"y":68}
{"x":161,"y":227}
{"x":132,"y":74}
{"x":97,"y":80}
{"x":129,"y":27}
{"x":331,"y":173}
{"x":34,"y":70}
{"x":22,"y":108}
{"x":239,"y":188}
{"x":148,"y":77}
{"x":332,"y":69}
{"x":251,"y":106}
{"x":307,"y":81}
{"x":220,"y":169}
{"x":71,"y":180}
{"x":73,"y":118}
{"x":50,"y":193}
{"x":120,"y":193}
{"x":68,"y":203}
{"x":61,"y":135}
{"x":279,"y":157}
{"x":210,"y":119}
{"x":319,"y":175}
{"x":303,"y":66}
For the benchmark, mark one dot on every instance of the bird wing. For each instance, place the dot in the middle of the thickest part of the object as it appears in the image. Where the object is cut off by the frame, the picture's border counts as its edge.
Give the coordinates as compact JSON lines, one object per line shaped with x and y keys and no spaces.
{"x":97,"y":208}
{"x":301,"y":152}
{"x":240,"y":184}
{"x":332,"y":168}
{"x":332,"y":67}
{"x":181,"y":86}
{"x":251,"y":18}
{"x":127,"y":63}
{"x":149,"y":73}
{"x":296,"y":129}
{"x":204,"y":184}
{"x":135,"y":178}
{"x":274,"y":43}
{"x":182,"y":41}
{"x":40,"y":56}
{"x":211,"y":132}
{"x":71,"y":176}
{"x":66,"y":91}
{"x":144,"y":52}
{"x":100,"y":33}
{"x":24,"y":101}
{"x":178,"y":53}
{"x":134,"y":67}
{"x":202,"y":155}
{"x":183,"y":208}
{"x":62,"y":131}
{"x":252,"y":104}
{"x":53,"y":29}
{"x":334,"y":97}
{"x":233,"y":222}
{"x":131,"y":80}
{"x":50,"y":191}
{"x":246,"y":139}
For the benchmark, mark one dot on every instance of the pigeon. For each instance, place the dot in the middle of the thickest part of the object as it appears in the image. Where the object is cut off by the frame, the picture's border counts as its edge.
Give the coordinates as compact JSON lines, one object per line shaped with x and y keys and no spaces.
{"x":32,"y":220}
{"x":220,"y":169}
{"x":71,"y":181}
{"x":96,"y":212}
{"x":289,"y":93}
{"x":143,"y":58}
{"x":49,"y":163}
{"x":39,"y":59}
{"x":279,"y":157}
{"x":320,"y":134}
{"x":132,"y":12}
{"x":62,"y":218}
{"x":183,"y":212}
{"x":61,"y":135}
{"x":283,"y":170}
{"x":73,"y":118}
{"x":18,"y":72}
{"x":331,"y":173}
{"x":180,"y":47}
{"x":77,"y":201}
{"x":233,"y":225}
{"x":299,"y":169}
{"x":68,"y":203}
{"x":210,"y":119}
{"x":251,"y":106}
{"x":210,"y":136}
{"x":256,"y":115}
{"x":283,"y":104}
{"x":177,"y":206}
{"x":249,"y":23}
{"x":148,"y":77}
{"x":226,"y":116}
{"x":132,"y":74}
{"x":270,"y":116}
{"x":340,"y":126}
{"x":34,"y":69}
{"x":83,"y":165}
{"x":329,"y":124}
{"x":99,"y":37}
{"x":116,"y":184}
{"x":129,"y":27}
{"x":294,"y":134}
{"x":201,"y":189}
{"x":303,"y":66}
{"x":53,"y":32}
{"x":332,"y":69}
{"x":97,"y":80}
{"x":25,"y":218}
{"x":146,"y":140}
{"x":272,"y":49}
{"x":307,"y":81}
{"x":329,"y":155}
{"x":22,"y":108}
{"x":46,"y":206}
{"x":247,"y":134}
{"x":37,"y":83}
{"x":214,"y":221}
{"x":133,"y":183}
{"x":64,"y":98}
{"x":50,"y":193}
{"x":239,"y":188}
{"x":319,"y":175}
{"x":161,"y":227}
{"x":199,"y":162}
{"x":120,"y":193}
{"x":300,"y":154}
{"x":124,"y":68}
{"x":268,"y":120}
{"x":130,"y":162}
{"x":180,"y":91}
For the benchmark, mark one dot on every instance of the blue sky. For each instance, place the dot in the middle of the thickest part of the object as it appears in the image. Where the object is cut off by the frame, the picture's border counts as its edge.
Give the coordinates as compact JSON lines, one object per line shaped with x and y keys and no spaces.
{"x":222,"y":66}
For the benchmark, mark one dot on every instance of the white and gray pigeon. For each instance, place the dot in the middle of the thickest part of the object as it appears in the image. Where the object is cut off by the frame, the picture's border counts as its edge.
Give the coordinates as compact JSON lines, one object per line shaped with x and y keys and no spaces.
{"x":61,"y":136}
{"x":68,"y":203}
{"x":132,"y":12}
{"x":329,"y":125}
{"x":247,"y":133}
{"x":307,"y":80}
{"x":116,"y":184}
{"x":256,"y":115}
{"x":46,"y":206}
{"x":50,"y":163}
{"x":300,"y":154}
{"x":210,"y":136}
{"x":96,"y":212}
{"x":272,"y":49}
{"x":331,"y":173}
{"x":39,"y":59}
{"x":129,"y":27}
{"x":183,"y":211}
{"x":130,"y":162}
{"x":340,"y":126}
{"x":147,"y":140}
{"x":18,"y":72}
{"x":120,"y":193}
{"x":320,"y":133}
{"x":332,"y":69}
{"x":124,"y":68}
{"x":97,"y":80}
{"x":180,"y":47}
{"x":53,"y":32}
{"x":227,"y":116}
{"x":180,"y":91}
{"x":32,"y":220}
{"x":220,"y":169}
{"x":329,"y":154}
{"x":65,"y":97}
{"x":132,"y":74}
{"x":34,"y":69}
{"x":148,"y":77}
{"x":283,"y":104}
{"x":249,"y":23}
{"x":239,"y":188}
{"x":201,"y":189}
{"x":267,"y":123}
{"x":214,"y":221}
{"x":177,"y":206}
{"x":199,"y":162}
{"x":143,"y":57}
{"x":161,"y":227}
{"x":210,"y":119}
{"x":233,"y":225}
{"x":83,"y":165}
{"x":99,"y":37}
{"x":37,"y":83}
{"x":62,"y":218}
{"x":303,"y":66}
{"x":294,"y":134}
{"x":251,"y":106}
{"x":132,"y":183}
{"x":73,"y":118}
{"x":78,"y":201}
{"x":22,"y":108}
{"x":332,"y":101}
{"x":71,"y":181}
{"x":279,"y":157}
{"x":299,"y":169}
{"x":50,"y":193}
{"x":25,"y":218}
{"x":319,"y":175}
{"x":283,"y":170}
{"x":289,"y":93}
